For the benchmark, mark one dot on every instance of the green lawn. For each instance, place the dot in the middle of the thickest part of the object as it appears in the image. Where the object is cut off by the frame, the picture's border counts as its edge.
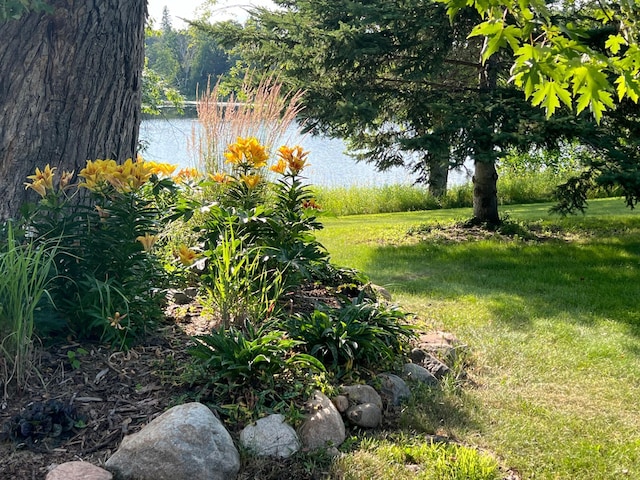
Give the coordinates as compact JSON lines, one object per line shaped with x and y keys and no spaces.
{"x":553,"y":328}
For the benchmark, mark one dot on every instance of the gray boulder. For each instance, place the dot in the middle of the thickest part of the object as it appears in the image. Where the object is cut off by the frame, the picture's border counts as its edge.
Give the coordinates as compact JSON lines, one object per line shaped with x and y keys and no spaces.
{"x":323,"y":426}
{"x":366,"y":415}
{"x":414,"y":372}
{"x":359,"y":394}
{"x":393,"y":388}
{"x":270,"y":436}
{"x":341,"y":402}
{"x":185,"y":442}
{"x":443,"y":345}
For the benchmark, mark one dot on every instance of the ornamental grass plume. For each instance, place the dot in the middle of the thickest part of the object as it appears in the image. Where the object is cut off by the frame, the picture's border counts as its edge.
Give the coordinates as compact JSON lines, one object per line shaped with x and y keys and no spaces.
{"x":263,"y":112}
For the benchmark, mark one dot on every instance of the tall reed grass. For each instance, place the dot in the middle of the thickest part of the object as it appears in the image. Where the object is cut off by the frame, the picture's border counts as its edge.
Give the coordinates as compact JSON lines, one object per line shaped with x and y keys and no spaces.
{"x":513,"y":188}
{"x":356,"y":200}
{"x":264,"y":111}
{"x":25,"y":271}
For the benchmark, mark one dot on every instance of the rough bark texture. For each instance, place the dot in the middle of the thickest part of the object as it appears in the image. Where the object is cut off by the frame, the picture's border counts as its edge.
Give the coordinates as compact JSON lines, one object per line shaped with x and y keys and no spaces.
{"x":485,"y":193}
{"x":70,"y":89}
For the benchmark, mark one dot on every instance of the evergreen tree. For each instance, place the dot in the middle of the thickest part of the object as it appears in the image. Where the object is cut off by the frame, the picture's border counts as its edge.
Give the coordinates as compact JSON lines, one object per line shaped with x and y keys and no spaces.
{"x":401,"y":84}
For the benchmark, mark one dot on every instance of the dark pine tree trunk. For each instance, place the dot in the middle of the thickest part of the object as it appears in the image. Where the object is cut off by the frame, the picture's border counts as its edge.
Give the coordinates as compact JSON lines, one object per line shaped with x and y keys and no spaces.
{"x":438,"y":167}
{"x":70,"y":89}
{"x":485,"y":193}
{"x":485,"y":177}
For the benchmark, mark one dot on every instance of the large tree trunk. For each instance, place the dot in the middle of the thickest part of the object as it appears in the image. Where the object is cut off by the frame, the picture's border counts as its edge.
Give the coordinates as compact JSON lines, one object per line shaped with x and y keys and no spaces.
{"x":70,"y":89}
{"x":485,"y":193}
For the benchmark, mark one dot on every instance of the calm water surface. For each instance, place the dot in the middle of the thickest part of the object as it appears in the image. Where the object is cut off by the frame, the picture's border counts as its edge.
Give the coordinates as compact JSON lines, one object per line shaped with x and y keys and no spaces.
{"x":167,"y":141}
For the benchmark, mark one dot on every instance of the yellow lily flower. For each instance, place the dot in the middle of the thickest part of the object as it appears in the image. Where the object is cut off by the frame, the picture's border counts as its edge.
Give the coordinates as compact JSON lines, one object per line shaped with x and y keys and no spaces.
{"x":295,"y":157}
{"x":255,"y":153}
{"x":279,"y":167}
{"x":65,"y":179}
{"x":251,"y":181}
{"x":46,"y":176}
{"x":220,"y":177}
{"x":234,"y":154}
{"x":186,"y":255}
{"x":116,"y":319}
{"x":147,"y":241}
{"x":162,"y":169}
{"x":187,"y":174}
{"x":37,"y":186}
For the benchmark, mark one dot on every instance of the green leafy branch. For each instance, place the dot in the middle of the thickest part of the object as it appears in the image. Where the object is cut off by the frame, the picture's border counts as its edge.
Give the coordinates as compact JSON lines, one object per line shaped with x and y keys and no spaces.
{"x":557,"y":61}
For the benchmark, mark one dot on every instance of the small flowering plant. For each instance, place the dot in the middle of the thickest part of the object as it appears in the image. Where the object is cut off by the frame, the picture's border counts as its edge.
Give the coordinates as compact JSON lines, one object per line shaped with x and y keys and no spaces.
{"x":270,"y":217}
{"x":293,"y":220}
{"x":110,"y":221}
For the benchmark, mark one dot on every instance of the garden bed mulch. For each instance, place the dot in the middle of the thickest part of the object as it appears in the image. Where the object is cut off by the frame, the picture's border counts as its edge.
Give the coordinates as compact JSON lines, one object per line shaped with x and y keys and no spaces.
{"x":109,"y":393}
{"x":114,"y":393}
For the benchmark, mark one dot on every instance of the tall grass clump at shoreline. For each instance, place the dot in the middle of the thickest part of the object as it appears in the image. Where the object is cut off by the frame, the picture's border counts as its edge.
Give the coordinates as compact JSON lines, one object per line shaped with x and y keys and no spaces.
{"x":357,"y":200}
{"x":513,"y":188}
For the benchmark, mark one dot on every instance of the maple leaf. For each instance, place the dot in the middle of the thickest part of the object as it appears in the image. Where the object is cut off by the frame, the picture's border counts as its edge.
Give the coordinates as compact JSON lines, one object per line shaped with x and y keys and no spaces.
{"x":549,"y":95}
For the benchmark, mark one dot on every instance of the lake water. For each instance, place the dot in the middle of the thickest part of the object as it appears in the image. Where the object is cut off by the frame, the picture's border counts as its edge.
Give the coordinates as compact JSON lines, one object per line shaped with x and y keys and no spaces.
{"x":167,"y":141}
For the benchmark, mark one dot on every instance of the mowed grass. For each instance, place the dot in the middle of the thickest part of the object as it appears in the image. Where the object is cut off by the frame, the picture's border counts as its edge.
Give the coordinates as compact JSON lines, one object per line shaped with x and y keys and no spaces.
{"x":553,"y":329}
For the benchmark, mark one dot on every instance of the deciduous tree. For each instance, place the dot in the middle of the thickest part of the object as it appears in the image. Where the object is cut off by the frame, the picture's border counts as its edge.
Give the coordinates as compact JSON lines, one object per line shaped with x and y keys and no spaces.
{"x":577,"y":53}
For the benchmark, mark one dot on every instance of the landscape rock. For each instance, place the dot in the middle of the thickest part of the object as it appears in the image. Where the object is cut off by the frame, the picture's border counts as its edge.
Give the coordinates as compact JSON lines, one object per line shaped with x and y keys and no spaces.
{"x":270,"y":436}
{"x":341,"y":402}
{"x":417,"y":355}
{"x":393,"y":388}
{"x":443,"y":345}
{"x":437,"y":368}
{"x":359,"y":394}
{"x":185,"y":442}
{"x":323,"y":426}
{"x":366,"y":415}
{"x":183,"y":297}
{"x":417,"y":373}
{"x":381,"y":292}
{"x":78,"y":471}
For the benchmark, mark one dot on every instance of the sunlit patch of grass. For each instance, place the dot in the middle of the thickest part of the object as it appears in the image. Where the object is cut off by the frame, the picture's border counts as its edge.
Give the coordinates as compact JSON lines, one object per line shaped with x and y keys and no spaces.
{"x":553,"y":327}
{"x":416,"y":458}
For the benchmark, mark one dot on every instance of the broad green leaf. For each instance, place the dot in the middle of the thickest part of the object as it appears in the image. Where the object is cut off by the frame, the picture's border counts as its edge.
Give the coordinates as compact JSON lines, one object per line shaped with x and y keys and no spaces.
{"x":614,"y":42}
{"x":628,"y":86}
{"x":600,"y":103}
{"x":550,"y":95}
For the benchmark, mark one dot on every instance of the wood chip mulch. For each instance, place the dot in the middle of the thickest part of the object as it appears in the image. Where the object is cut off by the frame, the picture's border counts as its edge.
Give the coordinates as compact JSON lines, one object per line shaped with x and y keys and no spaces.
{"x":111,"y":393}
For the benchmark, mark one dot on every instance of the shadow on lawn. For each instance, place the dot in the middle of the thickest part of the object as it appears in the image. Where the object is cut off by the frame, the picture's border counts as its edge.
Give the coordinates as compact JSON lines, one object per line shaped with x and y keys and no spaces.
{"x":580,"y":281}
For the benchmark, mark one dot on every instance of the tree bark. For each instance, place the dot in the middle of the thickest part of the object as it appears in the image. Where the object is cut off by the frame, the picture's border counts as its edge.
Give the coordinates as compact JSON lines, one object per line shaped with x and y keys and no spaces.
{"x":70,"y":89}
{"x":485,"y":193}
{"x":485,"y":177}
